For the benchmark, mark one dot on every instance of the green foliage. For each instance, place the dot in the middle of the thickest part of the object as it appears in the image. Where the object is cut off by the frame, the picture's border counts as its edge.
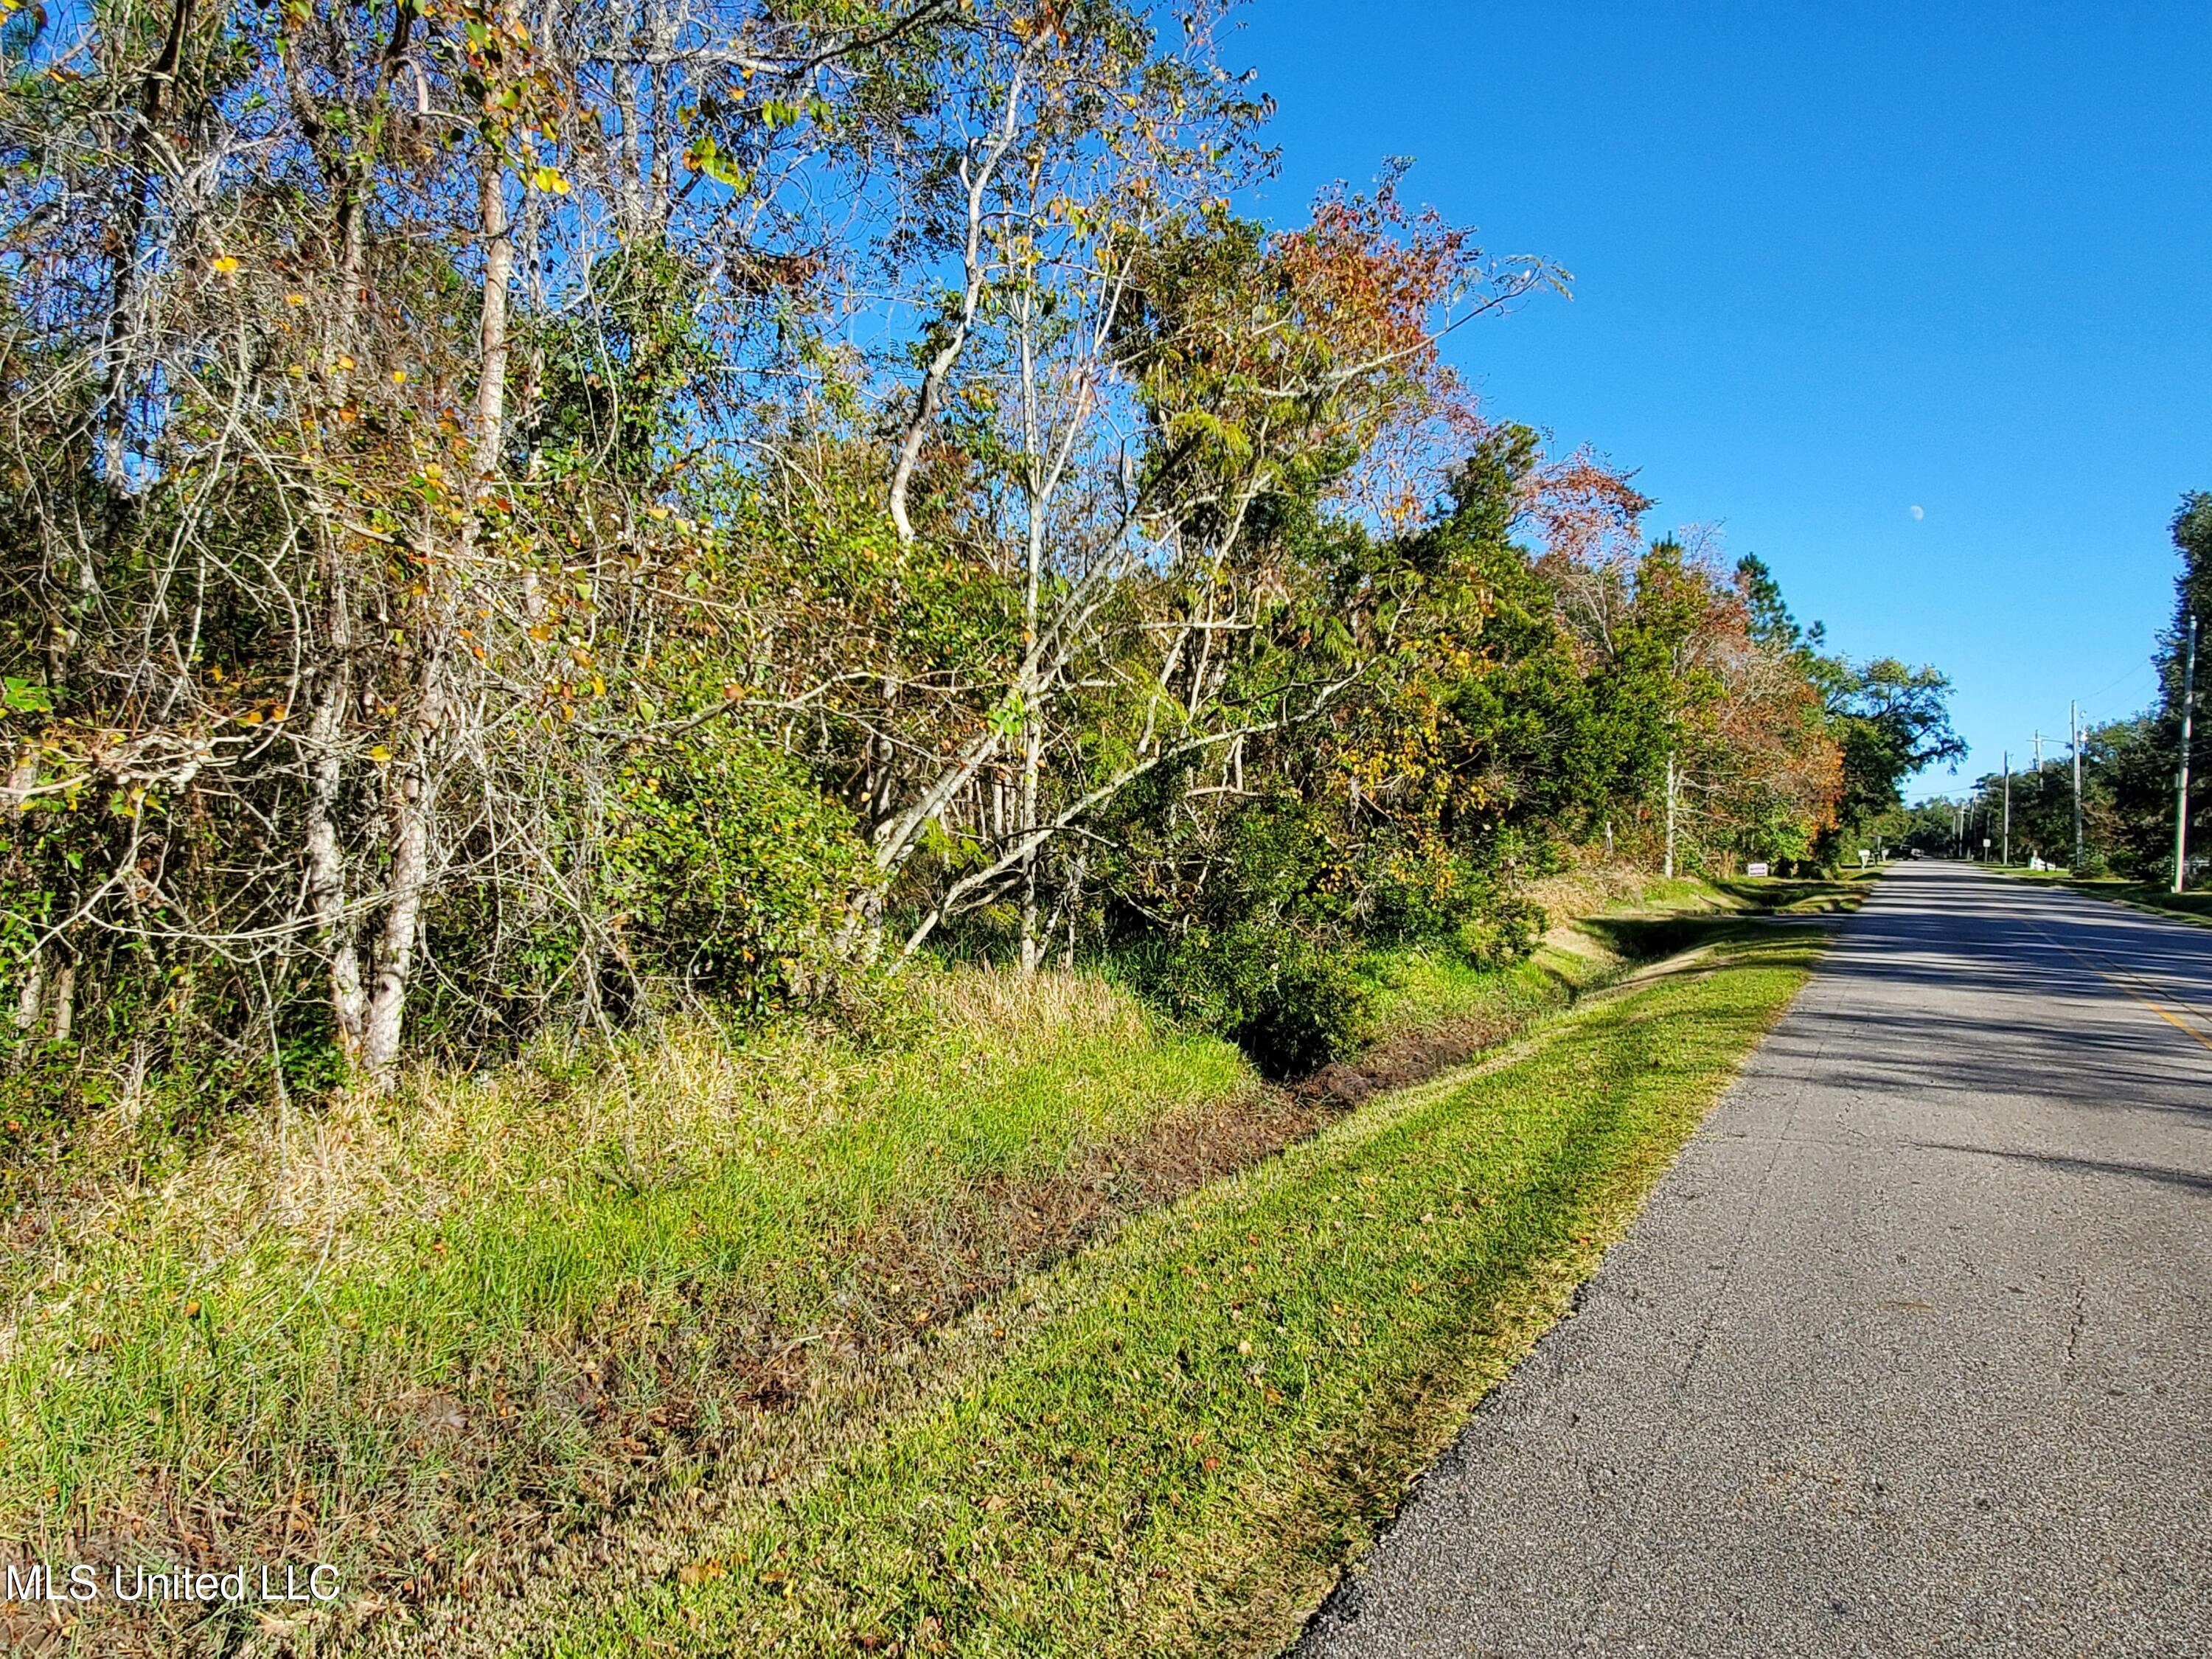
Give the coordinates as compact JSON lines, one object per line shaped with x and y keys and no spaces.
{"x":2127,"y":805}
{"x":1171,"y":644}
{"x":1290,"y":1004}
{"x":620,"y":370}
{"x":19,"y":696}
{"x":727,"y":871}
{"x":1893,"y":720}
{"x":1455,"y":901}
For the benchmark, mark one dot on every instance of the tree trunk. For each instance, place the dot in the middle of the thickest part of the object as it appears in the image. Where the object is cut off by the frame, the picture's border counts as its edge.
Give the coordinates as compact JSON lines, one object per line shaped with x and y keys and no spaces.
{"x":30,"y":1001}
{"x":492,"y":342}
{"x":412,"y":802}
{"x":975,"y":174}
{"x":64,"y":999}
{"x":1075,"y":907}
{"x":414,"y":784}
{"x":325,"y":854}
{"x":1032,"y":946}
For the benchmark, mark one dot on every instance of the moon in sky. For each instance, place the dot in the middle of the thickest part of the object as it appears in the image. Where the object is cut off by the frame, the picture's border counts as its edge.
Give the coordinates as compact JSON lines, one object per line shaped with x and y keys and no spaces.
{"x":1918,"y":513}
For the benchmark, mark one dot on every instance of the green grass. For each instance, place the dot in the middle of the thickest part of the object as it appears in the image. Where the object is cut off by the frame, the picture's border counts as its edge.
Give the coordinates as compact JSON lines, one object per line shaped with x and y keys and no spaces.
{"x":1601,"y":930}
{"x":1417,"y":992}
{"x":1210,"y":1412}
{"x":435,"y":1338}
{"x":491,"y":1307}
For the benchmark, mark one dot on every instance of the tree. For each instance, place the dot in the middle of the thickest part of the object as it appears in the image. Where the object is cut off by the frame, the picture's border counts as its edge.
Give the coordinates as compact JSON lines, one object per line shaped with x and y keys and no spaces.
{"x":1891,"y":721}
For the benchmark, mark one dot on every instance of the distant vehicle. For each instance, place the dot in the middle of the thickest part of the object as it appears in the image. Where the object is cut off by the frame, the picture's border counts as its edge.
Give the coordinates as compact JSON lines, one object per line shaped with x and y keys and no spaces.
{"x":1916,"y":853}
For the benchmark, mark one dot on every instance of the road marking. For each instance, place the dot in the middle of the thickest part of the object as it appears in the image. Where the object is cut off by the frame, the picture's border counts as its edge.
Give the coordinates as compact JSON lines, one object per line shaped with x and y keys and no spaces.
{"x":2172,"y":1019}
{"x":2169,"y":1018}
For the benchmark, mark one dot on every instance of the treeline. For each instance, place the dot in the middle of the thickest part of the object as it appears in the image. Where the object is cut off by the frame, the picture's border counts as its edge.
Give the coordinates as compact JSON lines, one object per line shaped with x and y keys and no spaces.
{"x":2129,"y":768}
{"x":528,"y":516}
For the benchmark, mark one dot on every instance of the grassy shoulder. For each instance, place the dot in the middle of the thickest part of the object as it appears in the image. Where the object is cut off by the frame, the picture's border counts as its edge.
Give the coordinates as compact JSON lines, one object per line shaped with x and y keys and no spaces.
{"x":1429,"y":1008}
{"x":2143,"y":894}
{"x":1210,"y":1412}
{"x":424,"y":1337}
{"x":440,"y":1339}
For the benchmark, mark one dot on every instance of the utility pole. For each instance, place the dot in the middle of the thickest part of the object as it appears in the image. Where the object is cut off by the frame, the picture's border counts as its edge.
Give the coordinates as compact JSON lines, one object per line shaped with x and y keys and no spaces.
{"x":1670,"y":814}
{"x":2181,"y":785}
{"x":2074,"y":742}
{"x":2006,"y":857}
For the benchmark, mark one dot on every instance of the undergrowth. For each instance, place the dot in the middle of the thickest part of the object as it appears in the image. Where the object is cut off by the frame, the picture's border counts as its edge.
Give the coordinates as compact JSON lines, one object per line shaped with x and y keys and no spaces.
{"x":449,"y":1338}
{"x":1222,"y":1403}
{"x":489,"y":1311}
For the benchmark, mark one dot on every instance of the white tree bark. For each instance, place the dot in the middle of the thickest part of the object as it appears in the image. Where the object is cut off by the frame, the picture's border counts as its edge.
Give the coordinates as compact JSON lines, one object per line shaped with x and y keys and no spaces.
{"x":413,"y":790}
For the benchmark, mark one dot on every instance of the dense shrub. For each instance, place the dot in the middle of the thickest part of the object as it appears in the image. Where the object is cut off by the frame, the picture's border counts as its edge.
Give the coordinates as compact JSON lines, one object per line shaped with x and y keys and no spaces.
{"x":728,"y":869}
{"x":1455,"y":902}
{"x":1290,"y":1004}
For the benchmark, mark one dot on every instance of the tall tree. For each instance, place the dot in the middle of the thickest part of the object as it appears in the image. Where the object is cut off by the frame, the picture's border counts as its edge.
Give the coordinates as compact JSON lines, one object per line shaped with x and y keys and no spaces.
{"x":1891,"y":721}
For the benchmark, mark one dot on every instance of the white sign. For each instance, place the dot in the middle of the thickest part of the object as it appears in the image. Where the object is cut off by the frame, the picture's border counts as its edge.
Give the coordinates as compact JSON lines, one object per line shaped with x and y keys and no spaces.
{"x":1754,"y":869}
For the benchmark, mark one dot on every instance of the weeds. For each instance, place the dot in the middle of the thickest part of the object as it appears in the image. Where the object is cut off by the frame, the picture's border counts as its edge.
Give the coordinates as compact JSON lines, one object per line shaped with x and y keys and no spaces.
{"x":1228,"y":1398}
{"x":417,"y":1336}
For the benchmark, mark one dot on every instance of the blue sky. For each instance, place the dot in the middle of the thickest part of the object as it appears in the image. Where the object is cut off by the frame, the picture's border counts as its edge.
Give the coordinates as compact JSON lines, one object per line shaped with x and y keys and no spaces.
{"x":1832,"y":263}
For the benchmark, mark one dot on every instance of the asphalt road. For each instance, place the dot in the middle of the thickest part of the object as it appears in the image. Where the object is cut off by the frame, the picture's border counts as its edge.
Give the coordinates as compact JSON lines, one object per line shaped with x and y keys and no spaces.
{"x":1909,"y":1353}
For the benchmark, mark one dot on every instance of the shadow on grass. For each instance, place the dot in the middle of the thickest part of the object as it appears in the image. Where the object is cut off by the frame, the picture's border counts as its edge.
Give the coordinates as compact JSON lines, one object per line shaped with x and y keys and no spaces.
{"x":1646,"y":939}
{"x":1794,"y":898}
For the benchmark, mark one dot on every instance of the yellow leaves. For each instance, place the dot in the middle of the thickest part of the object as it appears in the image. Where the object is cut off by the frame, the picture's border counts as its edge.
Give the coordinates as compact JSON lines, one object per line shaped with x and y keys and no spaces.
{"x":548,"y":180}
{"x":705,"y":156}
{"x":342,"y":361}
{"x":295,"y":299}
